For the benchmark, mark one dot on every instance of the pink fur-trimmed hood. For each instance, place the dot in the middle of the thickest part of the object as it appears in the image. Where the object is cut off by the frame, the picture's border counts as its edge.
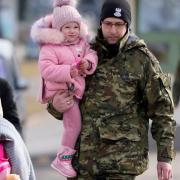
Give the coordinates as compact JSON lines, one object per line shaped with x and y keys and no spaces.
{"x":43,"y":33}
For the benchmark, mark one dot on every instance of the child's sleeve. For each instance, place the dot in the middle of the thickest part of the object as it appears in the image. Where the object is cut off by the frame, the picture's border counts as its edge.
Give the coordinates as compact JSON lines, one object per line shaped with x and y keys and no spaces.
{"x":50,"y":67}
{"x":91,"y":56}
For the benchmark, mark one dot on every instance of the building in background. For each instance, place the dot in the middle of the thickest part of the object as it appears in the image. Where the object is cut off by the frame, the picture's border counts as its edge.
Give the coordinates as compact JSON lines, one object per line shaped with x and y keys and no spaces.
{"x":157,"y":22}
{"x":9,"y":19}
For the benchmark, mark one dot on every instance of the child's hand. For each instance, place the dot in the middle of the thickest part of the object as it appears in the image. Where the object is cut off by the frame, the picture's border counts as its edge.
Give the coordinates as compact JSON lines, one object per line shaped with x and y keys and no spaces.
{"x":74,"y":72}
{"x":12,"y":177}
{"x":84,"y":65}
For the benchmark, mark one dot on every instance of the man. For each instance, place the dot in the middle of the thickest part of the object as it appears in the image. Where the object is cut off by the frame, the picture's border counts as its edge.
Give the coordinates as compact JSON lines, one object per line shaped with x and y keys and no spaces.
{"x":127,"y":89}
{"x":176,"y":86}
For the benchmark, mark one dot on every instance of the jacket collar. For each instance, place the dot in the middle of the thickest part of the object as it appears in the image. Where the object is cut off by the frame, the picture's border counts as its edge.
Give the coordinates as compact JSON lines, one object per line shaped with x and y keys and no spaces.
{"x":129,"y":41}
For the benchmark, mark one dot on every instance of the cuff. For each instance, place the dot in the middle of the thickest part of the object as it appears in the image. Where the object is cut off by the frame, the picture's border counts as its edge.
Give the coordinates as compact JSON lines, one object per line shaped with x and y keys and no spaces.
{"x":165,"y":153}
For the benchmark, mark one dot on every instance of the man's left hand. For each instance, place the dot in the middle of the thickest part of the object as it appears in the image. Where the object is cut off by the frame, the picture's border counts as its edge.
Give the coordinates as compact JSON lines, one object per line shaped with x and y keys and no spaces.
{"x":164,"y":171}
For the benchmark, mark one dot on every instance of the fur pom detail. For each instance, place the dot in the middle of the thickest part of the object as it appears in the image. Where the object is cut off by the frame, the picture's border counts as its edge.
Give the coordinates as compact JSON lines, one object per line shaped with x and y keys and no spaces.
{"x":59,"y":3}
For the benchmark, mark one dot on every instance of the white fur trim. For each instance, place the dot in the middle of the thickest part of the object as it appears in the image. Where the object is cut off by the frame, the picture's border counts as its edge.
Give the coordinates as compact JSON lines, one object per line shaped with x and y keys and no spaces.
{"x":83,"y":30}
{"x":47,"y":35}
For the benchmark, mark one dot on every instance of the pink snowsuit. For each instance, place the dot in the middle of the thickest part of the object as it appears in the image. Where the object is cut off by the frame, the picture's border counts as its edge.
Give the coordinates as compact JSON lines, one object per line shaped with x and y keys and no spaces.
{"x":55,"y":61}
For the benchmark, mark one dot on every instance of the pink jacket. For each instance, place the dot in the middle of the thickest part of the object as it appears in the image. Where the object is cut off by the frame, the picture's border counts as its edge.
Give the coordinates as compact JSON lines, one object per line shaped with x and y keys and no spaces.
{"x":56,"y":59}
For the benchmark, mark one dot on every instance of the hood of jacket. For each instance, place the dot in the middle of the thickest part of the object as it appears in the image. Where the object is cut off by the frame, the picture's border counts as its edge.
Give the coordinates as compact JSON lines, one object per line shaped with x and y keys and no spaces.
{"x":129,"y":41}
{"x":47,"y":35}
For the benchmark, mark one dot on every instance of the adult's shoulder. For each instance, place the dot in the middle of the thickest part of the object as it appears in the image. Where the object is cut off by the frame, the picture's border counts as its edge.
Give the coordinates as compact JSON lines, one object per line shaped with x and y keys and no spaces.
{"x":139,"y":48}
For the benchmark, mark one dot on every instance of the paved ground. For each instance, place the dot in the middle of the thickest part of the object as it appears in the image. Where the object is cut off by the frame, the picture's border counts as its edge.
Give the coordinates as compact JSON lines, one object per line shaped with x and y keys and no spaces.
{"x":42,"y":135}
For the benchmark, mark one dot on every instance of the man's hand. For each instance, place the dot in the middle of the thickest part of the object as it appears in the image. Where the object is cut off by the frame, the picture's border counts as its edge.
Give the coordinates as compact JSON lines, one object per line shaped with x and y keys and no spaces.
{"x":164,"y":171}
{"x":63,"y":101}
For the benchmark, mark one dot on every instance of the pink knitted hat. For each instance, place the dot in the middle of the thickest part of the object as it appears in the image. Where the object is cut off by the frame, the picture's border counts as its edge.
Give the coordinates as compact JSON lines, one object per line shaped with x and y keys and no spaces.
{"x":65,"y":12}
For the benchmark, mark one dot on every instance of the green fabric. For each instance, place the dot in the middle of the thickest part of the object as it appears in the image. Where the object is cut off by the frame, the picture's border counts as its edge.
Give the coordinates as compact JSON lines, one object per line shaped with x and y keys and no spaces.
{"x":54,"y":112}
{"x":121,"y":97}
{"x":123,"y":94}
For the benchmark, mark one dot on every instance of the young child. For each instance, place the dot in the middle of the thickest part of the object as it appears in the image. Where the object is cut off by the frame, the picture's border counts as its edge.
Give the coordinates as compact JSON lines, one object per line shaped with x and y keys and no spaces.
{"x":15,"y":162}
{"x":5,"y":167}
{"x":64,"y":61}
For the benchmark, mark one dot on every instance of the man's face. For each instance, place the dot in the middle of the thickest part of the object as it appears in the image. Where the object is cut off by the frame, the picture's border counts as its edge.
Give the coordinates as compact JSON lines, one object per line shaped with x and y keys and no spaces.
{"x":113,"y":29}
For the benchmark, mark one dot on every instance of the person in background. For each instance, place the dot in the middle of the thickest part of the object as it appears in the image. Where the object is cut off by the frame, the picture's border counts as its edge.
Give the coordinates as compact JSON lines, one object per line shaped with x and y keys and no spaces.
{"x":63,"y":66}
{"x":176,"y":86}
{"x":127,"y":89}
{"x":8,"y":104}
{"x":15,"y":162}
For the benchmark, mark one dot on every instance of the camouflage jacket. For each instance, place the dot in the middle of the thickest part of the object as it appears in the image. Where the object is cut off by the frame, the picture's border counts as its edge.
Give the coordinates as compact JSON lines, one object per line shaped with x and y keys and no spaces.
{"x":123,"y":94}
{"x":121,"y":97}
{"x":176,"y":86}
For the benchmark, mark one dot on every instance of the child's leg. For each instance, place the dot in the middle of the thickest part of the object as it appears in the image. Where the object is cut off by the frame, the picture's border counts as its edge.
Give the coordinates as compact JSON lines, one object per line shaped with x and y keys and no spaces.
{"x":72,"y":125}
{"x":72,"y":128}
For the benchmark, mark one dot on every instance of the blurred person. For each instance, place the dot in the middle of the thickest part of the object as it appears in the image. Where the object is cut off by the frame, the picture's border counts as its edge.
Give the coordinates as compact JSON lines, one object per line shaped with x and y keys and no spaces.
{"x":127,"y":89}
{"x":15,"y":162}
{"x":64,"y":62}
{"x":9,"y":108}
{"x":176,"y":86}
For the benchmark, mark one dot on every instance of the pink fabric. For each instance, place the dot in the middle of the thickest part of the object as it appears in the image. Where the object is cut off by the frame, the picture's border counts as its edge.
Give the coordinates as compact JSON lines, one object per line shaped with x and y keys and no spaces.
{"x":72,"y":125}
{"x":55,"y":62}
{"x":5,"y":167}
{"x":164,"y":171}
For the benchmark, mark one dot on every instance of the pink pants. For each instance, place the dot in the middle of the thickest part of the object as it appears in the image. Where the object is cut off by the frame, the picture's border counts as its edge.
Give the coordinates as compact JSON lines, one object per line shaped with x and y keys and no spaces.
{"x":72,"y":125}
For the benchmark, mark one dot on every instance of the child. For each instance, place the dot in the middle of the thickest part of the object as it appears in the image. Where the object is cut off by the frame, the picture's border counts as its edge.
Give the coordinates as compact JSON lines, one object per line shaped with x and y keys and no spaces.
{"x":5,"y":167}
{"x":15,"y":162}
{"x":64,"y":61}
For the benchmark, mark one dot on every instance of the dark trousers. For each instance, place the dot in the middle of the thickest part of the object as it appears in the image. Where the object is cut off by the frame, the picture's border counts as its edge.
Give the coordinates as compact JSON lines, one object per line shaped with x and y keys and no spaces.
{"x":110,"y":177}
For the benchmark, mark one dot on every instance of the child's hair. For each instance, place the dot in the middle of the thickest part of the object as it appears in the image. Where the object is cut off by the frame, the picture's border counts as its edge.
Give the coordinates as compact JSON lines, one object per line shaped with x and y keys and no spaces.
{"x":65,"y":12}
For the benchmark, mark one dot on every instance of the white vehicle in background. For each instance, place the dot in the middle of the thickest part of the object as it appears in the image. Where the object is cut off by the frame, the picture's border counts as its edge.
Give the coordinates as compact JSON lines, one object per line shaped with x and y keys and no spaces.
{"x":9,"y":67}
{"x":9,"y":71}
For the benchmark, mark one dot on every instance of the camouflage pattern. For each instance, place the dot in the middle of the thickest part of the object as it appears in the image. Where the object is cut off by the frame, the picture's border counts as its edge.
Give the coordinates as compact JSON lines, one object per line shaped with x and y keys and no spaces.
{"x":176,"y":86}
{"x":123,"y":94}
{"x":106,"y":177}
{"x":120,"y":98}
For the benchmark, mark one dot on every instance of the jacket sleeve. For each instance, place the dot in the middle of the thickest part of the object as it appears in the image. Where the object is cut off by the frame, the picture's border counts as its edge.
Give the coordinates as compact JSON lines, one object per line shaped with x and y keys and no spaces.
{"x":50,"y":68}
{"x":91,"y":56}
{"x":160,"y":109}
{"x":8,"y":105}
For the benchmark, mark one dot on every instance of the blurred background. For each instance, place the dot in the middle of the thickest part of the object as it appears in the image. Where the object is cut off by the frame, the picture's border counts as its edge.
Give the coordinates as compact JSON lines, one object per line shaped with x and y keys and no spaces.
{"x":156,"y":21}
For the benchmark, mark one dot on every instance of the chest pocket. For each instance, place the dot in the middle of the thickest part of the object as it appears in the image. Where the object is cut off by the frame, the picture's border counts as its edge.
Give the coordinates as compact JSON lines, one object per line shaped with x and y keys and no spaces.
{"x":119,"y":127}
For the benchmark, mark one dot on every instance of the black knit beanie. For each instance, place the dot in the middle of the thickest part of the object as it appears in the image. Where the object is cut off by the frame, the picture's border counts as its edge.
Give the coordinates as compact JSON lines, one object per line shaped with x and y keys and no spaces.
{"x":116,"y":8}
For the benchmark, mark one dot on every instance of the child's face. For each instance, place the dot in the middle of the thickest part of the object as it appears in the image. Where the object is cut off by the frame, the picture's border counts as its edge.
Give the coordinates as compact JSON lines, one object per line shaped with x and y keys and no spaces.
{"x":71,"y":31}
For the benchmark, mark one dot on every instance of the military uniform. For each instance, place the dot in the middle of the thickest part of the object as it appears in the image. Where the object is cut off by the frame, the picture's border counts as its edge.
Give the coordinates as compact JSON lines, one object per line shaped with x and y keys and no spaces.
{"x":124,"y":93}
{"x":176,"y":86}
